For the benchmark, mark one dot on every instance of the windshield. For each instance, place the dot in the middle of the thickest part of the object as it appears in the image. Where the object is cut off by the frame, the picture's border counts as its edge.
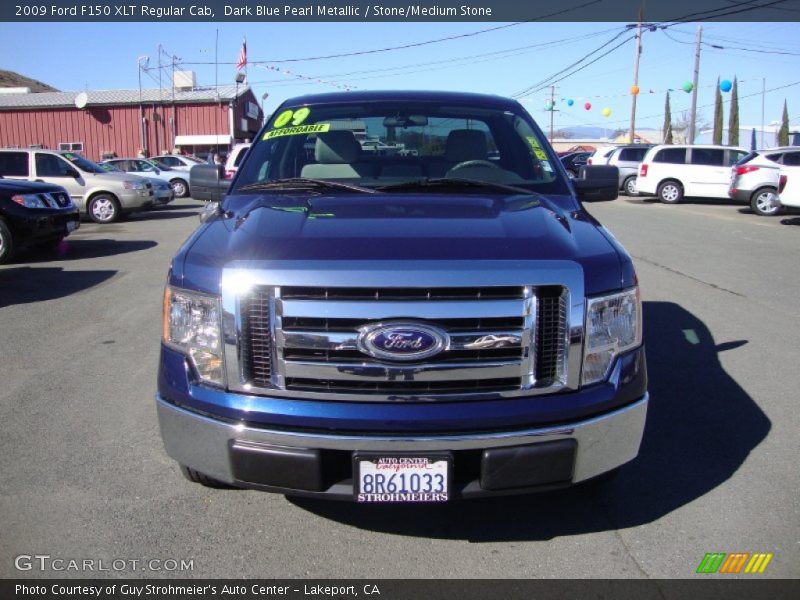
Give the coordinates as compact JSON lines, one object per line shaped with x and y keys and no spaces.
{"x":381,"y":145}
{"x":84,"y":164}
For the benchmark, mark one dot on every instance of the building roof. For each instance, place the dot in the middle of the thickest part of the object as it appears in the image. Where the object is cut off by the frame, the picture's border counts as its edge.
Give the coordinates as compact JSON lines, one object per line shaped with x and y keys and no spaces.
{"x":223,"y":93}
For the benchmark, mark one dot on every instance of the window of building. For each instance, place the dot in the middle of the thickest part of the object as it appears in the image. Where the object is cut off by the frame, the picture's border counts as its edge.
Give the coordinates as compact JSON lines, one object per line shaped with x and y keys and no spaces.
{"x":70,"y":146}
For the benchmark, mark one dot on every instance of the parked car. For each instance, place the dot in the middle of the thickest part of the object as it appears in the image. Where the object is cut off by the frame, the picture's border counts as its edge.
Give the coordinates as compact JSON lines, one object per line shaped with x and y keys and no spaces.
{"x":235,"y":159}
{"x":178,"y":162}
{"x":104,"y":197}
{"x":672,"y":172}
{"x":34,"y":214}
{"x":574,"y":161}
{"x":162,"y":190}
{"x":177,"y":180}
{"x":627,"y":159}
{"x":601,"y":155}
{"x":402,"y":328}
{"x":789,"y":188}
{"x":755,"y":178}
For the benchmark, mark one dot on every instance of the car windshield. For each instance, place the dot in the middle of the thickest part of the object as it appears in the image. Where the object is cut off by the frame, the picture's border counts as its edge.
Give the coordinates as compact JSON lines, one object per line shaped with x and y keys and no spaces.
{"x":84,"y":164}
{"x":110,"y":167}
{"x":387,"y":144}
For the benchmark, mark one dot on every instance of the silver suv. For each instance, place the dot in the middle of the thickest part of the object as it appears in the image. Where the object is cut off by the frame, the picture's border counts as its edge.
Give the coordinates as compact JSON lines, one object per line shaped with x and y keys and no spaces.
{"x":627,"y":159}
{"x":104,"y":197}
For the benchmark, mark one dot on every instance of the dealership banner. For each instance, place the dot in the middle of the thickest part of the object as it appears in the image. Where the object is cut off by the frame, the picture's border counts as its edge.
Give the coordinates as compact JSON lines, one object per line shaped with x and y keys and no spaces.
{"x":415,"y":589}
{"x":397,"y":10}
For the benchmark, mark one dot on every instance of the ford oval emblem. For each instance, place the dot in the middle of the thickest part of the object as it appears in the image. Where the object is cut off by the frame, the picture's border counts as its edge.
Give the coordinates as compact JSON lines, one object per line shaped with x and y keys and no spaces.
{"x":402,"y":341}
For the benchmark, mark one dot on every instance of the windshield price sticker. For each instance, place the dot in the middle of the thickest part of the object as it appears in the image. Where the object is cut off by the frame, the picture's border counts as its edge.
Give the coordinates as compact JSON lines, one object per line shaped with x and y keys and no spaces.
{"x":403,"y":479}
{"x":295,"y":116}
{"x":301,"y":130}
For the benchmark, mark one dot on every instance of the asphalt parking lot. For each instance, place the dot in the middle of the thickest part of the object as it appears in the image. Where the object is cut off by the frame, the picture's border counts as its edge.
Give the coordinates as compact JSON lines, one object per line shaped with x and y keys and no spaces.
{"x":84,"y":474}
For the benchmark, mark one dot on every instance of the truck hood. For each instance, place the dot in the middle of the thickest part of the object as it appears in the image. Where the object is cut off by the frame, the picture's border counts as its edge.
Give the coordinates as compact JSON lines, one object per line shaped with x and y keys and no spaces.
{"x":396,"y":227}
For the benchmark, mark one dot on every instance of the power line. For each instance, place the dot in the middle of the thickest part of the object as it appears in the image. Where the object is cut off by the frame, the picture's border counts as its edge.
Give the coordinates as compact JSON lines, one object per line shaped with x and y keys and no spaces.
{"x":720,"y":47}
{"x":418,"y":44}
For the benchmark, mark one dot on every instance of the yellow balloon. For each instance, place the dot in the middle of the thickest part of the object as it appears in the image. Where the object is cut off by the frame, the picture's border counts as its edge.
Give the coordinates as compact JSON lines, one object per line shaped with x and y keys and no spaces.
{"x":606,"y":112}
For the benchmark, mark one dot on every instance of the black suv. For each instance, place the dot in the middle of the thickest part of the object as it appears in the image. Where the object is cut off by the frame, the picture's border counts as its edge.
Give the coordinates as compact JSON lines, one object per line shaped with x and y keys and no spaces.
{"x":34,"y":213}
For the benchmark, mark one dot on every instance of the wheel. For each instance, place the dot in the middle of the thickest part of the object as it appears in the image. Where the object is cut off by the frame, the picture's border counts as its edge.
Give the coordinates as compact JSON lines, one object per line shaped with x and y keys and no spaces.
{"x":6,"y":243}
{"x":765,"y":202}
{"x":104,"y":208}
{"x":670,"y":192}
{"x":203,"y":479}
{"x":629,"y":185}
{"x":180,"y":187}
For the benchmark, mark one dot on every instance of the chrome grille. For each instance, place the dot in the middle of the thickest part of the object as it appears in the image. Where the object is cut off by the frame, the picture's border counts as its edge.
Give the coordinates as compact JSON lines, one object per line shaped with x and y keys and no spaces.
{"x":256,"y":343}
{"x":502,"y":339}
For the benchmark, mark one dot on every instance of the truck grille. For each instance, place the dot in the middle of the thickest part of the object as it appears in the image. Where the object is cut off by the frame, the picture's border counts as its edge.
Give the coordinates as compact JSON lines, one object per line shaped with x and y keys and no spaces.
{"x":505,"y":338}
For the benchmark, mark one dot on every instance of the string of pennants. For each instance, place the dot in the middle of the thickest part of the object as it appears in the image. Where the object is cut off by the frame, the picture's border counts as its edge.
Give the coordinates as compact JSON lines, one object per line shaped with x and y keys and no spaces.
{"x":296,"y":75}
{"x":725,"y":86}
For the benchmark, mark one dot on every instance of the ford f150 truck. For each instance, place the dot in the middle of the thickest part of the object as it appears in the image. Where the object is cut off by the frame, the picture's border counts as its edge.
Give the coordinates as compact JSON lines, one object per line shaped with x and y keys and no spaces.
{"x":443,"y":323}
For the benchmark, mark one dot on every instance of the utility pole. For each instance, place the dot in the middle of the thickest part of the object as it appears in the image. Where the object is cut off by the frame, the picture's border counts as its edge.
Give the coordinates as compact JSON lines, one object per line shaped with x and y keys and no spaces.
{"x":552,"y":109}
{"x":636,"y":72}
{"x":763,"y":93}
{"x":142,"y":133}
{"x":695,"y":78}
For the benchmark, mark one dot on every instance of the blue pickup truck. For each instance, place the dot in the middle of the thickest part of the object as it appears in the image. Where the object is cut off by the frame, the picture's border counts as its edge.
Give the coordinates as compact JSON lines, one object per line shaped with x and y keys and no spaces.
{"x":443,"y":322}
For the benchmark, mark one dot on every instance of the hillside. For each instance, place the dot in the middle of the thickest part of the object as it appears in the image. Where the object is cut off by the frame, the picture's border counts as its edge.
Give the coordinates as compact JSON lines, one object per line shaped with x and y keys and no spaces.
{"x":12,"y":79}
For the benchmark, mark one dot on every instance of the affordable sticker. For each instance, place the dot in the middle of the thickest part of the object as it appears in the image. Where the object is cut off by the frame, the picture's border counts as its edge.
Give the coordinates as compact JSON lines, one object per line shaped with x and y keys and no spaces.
{"x":300,"y":130}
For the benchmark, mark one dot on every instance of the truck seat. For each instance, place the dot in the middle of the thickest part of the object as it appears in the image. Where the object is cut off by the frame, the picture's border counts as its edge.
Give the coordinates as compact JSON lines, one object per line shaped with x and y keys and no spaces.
{"x":338,"y":155}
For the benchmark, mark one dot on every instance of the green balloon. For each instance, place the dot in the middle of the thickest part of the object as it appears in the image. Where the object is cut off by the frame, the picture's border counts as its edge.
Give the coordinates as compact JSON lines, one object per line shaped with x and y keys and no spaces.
{"x":688,"y":87}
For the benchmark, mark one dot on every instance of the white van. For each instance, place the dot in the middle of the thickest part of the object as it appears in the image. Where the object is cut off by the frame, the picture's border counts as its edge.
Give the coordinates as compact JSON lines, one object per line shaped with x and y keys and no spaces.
{"x":789,"y":188}
{"x":672,"y":172}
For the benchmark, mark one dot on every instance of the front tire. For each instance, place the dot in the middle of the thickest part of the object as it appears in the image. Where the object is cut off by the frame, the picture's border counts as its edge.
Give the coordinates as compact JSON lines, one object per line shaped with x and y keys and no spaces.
{"x":765,"y":203}
{"x":6,"y":243}
{"x":670,"y":192}
{"x":104,"y":208}
{"x":180,"y":187}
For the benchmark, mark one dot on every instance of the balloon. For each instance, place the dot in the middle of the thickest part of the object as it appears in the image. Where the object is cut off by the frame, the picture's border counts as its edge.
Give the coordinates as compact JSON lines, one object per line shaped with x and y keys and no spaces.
{"x":606,"y":112}
{"x":725,"y":85}
{"x":635,"y":90}
{"x":570,"y":102}
{"x":688,"y":87}
{"x":548,"y":105}
{"x":588,"y":106}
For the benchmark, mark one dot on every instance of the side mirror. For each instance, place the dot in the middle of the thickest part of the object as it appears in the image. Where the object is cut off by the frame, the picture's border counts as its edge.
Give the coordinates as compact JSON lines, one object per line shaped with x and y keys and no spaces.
{"x":211,"y":211}
{"x":208,"y":182}
{"x":597,"y":183}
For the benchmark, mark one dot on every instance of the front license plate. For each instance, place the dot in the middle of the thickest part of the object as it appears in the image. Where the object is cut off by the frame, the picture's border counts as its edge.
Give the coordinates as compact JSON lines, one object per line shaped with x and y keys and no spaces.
{"x":72,"y":226}
{"x":402,"y":478}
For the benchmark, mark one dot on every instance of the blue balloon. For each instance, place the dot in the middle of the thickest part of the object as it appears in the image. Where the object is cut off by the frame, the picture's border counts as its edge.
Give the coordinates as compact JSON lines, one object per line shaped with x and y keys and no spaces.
{"x":725,"y":85}
{"x":570,"y":102}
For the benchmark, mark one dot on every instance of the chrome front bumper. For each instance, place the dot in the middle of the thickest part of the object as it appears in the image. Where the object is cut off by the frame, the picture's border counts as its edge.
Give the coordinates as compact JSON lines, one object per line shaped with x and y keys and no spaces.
{"x":202,"y":443}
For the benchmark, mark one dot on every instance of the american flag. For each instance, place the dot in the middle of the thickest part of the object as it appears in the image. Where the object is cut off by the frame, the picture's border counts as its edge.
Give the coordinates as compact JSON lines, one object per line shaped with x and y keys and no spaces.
{"x":241,"y":62}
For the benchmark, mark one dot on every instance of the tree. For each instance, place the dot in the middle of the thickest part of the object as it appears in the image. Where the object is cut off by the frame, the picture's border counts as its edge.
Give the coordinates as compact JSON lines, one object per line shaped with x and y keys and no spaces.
{"x":783,"y":132}
{"x":680,"y":127}
{"x":717,"y":116}
{"x":667,"y":130}
{"x":733,"y":117}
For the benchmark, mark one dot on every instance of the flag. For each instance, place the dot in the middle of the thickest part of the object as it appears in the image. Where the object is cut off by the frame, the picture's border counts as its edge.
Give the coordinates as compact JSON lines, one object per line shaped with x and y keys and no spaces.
{"x":241,"y":62}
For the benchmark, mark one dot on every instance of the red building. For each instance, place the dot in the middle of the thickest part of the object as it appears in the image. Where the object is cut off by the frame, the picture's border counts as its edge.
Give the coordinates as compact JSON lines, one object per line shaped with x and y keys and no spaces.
{"x":123,"y":122}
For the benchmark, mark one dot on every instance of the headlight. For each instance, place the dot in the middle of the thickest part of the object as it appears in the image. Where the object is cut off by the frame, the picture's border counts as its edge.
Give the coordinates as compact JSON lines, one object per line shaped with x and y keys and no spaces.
{"x":134,"y":185}
{"x":613,"y":326}
{"x":192,"y":326}
{"x":29,"y":201}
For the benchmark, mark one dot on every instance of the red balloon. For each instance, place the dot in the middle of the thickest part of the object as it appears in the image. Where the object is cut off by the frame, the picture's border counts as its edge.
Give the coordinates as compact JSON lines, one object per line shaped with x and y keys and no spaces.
{"x":587,"y":106}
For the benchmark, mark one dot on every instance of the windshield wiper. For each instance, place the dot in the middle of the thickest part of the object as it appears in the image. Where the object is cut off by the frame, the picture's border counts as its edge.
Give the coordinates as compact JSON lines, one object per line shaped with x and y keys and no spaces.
{"x":302,"y":183}
{"x":455,"y":183}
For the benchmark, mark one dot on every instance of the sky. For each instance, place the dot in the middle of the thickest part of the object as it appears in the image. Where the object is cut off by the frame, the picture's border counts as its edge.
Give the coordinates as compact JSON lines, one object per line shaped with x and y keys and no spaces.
{"x":504,"y":62}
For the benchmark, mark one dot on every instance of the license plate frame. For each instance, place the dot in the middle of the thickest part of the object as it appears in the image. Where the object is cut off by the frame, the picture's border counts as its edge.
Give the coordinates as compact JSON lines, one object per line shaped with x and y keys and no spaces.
{"x":439,"y":462}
